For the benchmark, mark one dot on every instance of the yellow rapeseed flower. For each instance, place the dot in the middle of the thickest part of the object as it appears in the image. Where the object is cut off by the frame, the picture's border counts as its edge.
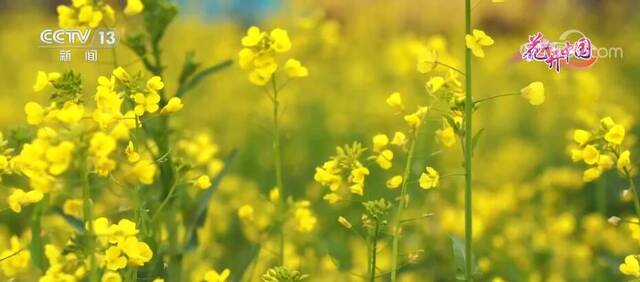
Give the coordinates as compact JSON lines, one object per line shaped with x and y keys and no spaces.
{"x":133,"y":7}
{"x":394,"y":182}
{"x":615,"y":134}
{"x":214,"y":276}
{"x":295,"y":69}
{"x":395,"y":101}
{"x":174,"y":105}
{"x":630,"y":266}
{"x":429,"y":179}
{"x":534,"y":93}
{"x":476,"y":41}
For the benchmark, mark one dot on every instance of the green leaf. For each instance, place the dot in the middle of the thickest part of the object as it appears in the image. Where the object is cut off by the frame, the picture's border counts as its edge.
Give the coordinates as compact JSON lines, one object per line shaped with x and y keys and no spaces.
{"x":198,"y":77}
{"x":189,"y":67}
{"x":475,"y":140}
{"x":458,"y":245}
{"x":453,"y":124}
{"x":77,"y":224}
{"x":37,"y":246}
{"x":158,"y":14}
{"x":202,"y":205}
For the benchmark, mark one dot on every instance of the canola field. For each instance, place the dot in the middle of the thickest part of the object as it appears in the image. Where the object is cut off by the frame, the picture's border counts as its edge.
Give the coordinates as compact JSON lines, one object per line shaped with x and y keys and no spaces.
{"x":285,"y":141}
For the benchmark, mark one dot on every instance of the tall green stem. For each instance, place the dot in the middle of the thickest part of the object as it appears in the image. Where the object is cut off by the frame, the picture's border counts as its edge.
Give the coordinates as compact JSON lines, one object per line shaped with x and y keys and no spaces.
{"x":278,"y":164}
{"x":374,"y":253}
{"x":401,"y":206}
{"x":632,"y":186}
{"x":88,"y":223}
{"x":468,"y":122}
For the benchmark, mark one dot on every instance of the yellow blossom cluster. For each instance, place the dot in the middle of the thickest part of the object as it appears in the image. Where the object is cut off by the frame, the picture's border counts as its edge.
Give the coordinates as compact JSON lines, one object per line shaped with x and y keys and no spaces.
{"x":91,"y":13}
{"x":601,"y":149}
{"x":259,"y":54}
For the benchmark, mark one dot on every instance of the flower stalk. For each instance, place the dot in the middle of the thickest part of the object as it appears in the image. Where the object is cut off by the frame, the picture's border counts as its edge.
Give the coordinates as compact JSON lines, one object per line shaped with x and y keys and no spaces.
{"x":278,"y":165}
{"x":401,"y":206}
{"x":468,"y":143}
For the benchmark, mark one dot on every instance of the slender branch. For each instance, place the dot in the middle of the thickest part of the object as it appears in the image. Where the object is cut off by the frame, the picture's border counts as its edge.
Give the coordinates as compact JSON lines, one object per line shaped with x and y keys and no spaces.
{"x":401,"y":205}
{"x":278,"y":164}
{"x":449,"y":67}
{"x":495,"y":96}
{"x":468,"y":122}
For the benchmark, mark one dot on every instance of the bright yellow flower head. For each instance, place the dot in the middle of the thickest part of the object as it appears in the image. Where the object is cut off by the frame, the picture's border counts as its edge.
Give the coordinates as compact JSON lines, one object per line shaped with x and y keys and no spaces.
{"x":111,"y":276}
{"x":295,"y":69}
{"x":174,"y":105}
{"x":246,"y":212}
{"x":332,"y":198}
{"x":429,"y":179}
{"x":133,"y":7}
{"x":605,"y":162}
{"x":590,"y":154}
{"x":534,"y":93}
{"x":413,"y":120}
{"x":399,"y":139}
{"x":591,"y":174}
{"x":214,"y":276}
{"x":581,"y":136}
{"x":384,"y":159}
{"x":43,"y":80}
{"x":35,"y":113}
{"x":615,"y":135}
{"x":303,"y":218}
{"x":630,"y":266}
{"x":114,"y":259}
{"x":446,"y":136}
{"x":395,"y":101}
{"x":19,"y":198}
{"x":70,"y":113}
{"x":202,"y":182}
{"x":281,"y":41}
{"x":624,"y":161}
{"x":142,"y":172}
{"x":379,"y":142}
{"x":132,"y":155}
{"x":476,"y":41}
{"x":138,"y":252}
{"x":253,"y":37}
{"x":146,"y":103}
{"x":394,"y":182}
{"x":155,"y":83}
{"x":434,"y":84}
{"x":73,"y":207}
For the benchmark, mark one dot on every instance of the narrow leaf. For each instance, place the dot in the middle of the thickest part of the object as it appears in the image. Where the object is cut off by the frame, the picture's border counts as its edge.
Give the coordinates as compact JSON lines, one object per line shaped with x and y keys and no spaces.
{"x":458,"y":245}
{"x":198,"y":77}
{"x":475,"y":140}
{"x":202,"y":204}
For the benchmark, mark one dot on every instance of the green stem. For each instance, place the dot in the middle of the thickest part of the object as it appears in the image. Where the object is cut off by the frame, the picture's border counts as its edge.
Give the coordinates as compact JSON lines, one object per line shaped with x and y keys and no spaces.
{"x":495,"y":96}
{"x":401,"y":206}
{"x":601,"y":197}
{"x":36,"y":247}
{"x":164,"y":202}
{"x":468,"y":122}
{"x":278,"y":165}
{"x":374,"y":253}
{"x":88,"y":223}
{"x":632,"y":186}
